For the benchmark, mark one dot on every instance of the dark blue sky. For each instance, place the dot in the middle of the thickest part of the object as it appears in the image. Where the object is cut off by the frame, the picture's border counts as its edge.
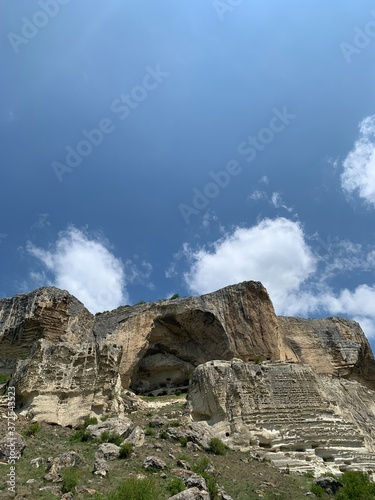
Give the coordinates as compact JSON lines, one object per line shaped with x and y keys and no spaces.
{"x":116,"y":118}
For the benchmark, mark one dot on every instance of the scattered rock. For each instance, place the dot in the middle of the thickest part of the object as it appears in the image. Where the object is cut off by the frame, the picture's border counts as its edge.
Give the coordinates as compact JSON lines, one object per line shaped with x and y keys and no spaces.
{"x":53,"y":473}
{"x":184,"y":464}
{"x":191,"y":494}
{"x":37,"y":462}
{"x":108,"y":451}
{"x":101,"y":467}
{"x":196,"y":481}
{"x":68,"y":496}
{"x":154,"y":463}
{"x":223,"y":495}
{"x":136,"y":437}
{"x":12,"y":446}
{"x":117,"y":425}
{"x":329,"y":484}
{"x":31,"y":481}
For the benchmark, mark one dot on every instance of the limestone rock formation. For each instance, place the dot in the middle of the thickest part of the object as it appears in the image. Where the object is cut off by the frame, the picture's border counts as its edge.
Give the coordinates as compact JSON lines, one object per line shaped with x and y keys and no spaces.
{"x":331,"y":346}
{"x":79,"y":363}
{"x":301,"y":391}
{"x":301,"y":419}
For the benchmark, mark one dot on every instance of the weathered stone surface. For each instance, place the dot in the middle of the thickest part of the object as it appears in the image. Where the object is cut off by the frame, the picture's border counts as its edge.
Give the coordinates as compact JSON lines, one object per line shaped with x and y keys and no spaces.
{"x":196,"y":481}
{"x":108,"y":451}
{"x":80,"y":363}
{"x":136,"y":438}
{"x":154,"y":463}
{"x":101,"y":467}
{"x":164,"y":341}
{"x":331,"y":346}
{"x":12,"y":446}
{"x":304,"y":421}
{"x":66,"y":459}
{"x":329,"y":484}
{"x":121,"y":425}
{"x":191,"y":494}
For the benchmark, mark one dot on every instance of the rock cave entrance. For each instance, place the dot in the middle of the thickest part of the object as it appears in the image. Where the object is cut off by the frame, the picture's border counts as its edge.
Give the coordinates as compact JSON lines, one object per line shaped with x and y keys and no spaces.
{"x":176,"y":345}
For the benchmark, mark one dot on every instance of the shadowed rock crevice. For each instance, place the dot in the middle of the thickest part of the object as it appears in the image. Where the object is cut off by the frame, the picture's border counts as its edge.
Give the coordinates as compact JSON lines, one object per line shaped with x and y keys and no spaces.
{"x":175,"y":348}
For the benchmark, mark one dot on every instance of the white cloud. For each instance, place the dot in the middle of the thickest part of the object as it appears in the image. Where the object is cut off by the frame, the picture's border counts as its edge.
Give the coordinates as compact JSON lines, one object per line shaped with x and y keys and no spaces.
{"x":277,"y":202}
{"x":359,"y":165}
{"x":85,"y":267}
{"x":276,"y":253}
{"x":273,"y":252}
{"x":258,"y":195}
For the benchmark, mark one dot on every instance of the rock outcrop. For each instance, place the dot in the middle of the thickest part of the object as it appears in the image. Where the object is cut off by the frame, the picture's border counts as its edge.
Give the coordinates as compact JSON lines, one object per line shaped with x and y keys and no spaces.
{"x":67,"y":363}
{"x":301,"y":391}
{"x":331,"y":346}
{"x":303,"y":420}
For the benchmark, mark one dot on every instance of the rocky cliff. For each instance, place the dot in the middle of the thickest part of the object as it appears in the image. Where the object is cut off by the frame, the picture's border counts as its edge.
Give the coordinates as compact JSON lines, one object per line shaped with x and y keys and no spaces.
{"x":305,"y":386}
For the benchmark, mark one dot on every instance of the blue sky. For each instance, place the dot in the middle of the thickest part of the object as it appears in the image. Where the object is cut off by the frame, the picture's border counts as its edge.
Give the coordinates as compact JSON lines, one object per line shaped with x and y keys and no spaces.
{"x":152,"y":148}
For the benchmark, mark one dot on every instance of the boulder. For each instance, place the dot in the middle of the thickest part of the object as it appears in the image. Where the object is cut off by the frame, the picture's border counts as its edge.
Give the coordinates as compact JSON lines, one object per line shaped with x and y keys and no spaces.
{"x":136,"y":437}
{"x":154,"y":463}
{"x":191,"y":494}
{"x":329,"y":484}
{"x":117,"y":425}
{"x":12,"y":446}
{"x":108,"y":451}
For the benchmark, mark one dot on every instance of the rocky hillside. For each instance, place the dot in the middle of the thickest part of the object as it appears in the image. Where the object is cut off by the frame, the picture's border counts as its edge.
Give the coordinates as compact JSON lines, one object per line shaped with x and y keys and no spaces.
{"x":299,"y":393}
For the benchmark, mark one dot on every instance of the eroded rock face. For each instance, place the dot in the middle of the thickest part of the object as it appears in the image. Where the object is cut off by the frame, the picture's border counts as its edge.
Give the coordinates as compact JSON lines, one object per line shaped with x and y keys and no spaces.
{"x":331,"y":346}
{"x":301,"y":419}
{"x":68,"y":364}
{"x":164,"y":341}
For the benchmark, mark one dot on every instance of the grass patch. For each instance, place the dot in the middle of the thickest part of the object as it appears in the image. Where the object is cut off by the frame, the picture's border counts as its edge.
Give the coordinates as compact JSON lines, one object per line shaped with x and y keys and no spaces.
{"x":111,"y":437}
{"x":70,"y":479}
{"x":33,"y":429}
{"x":175,"y":485}
{"x":217,"y":447}
{"x":126,"y":450}
{"x":133,"y":489}
{"x":357,"y":485}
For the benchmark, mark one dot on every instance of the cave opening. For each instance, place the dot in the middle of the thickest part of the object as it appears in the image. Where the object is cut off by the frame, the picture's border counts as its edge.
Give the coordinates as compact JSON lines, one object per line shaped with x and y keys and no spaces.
{"x":177,"y":343}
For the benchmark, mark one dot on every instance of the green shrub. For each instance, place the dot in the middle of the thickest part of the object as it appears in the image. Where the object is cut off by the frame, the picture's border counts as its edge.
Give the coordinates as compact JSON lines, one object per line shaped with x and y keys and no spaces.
{"x":175,"y":485}
{"x":213,"y":490}
{"x":357,"y":486}
{"x":89,"y":421}
{"x":4,"y":377}
{"x":217,"y":447}
{"x":163,"y":434}
{"x":111,"y":437}
{"x":134,"y":489}
{"x":149,"y":432}
{"x":183,"y":441}
{"x":79,"y":435}
{"x":200,"y":465}
{"x":317,"y":490}
{"x":70,"y":479}
{"x":33,"y":429}
{"x":126,"y":450}
{"x":103,"y":418}
{"x":178,"y":392}
{"x":175,"y":423}
{"x":175,"y":296}
{"x":153,"y":424}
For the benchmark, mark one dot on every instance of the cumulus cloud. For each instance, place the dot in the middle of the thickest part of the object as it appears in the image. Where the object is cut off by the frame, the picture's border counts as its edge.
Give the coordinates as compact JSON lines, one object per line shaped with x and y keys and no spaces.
{"x":273,"y":252}
{"x":276,"y":253}
{"x":359,"y":166}
{"x":85,"y":267}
